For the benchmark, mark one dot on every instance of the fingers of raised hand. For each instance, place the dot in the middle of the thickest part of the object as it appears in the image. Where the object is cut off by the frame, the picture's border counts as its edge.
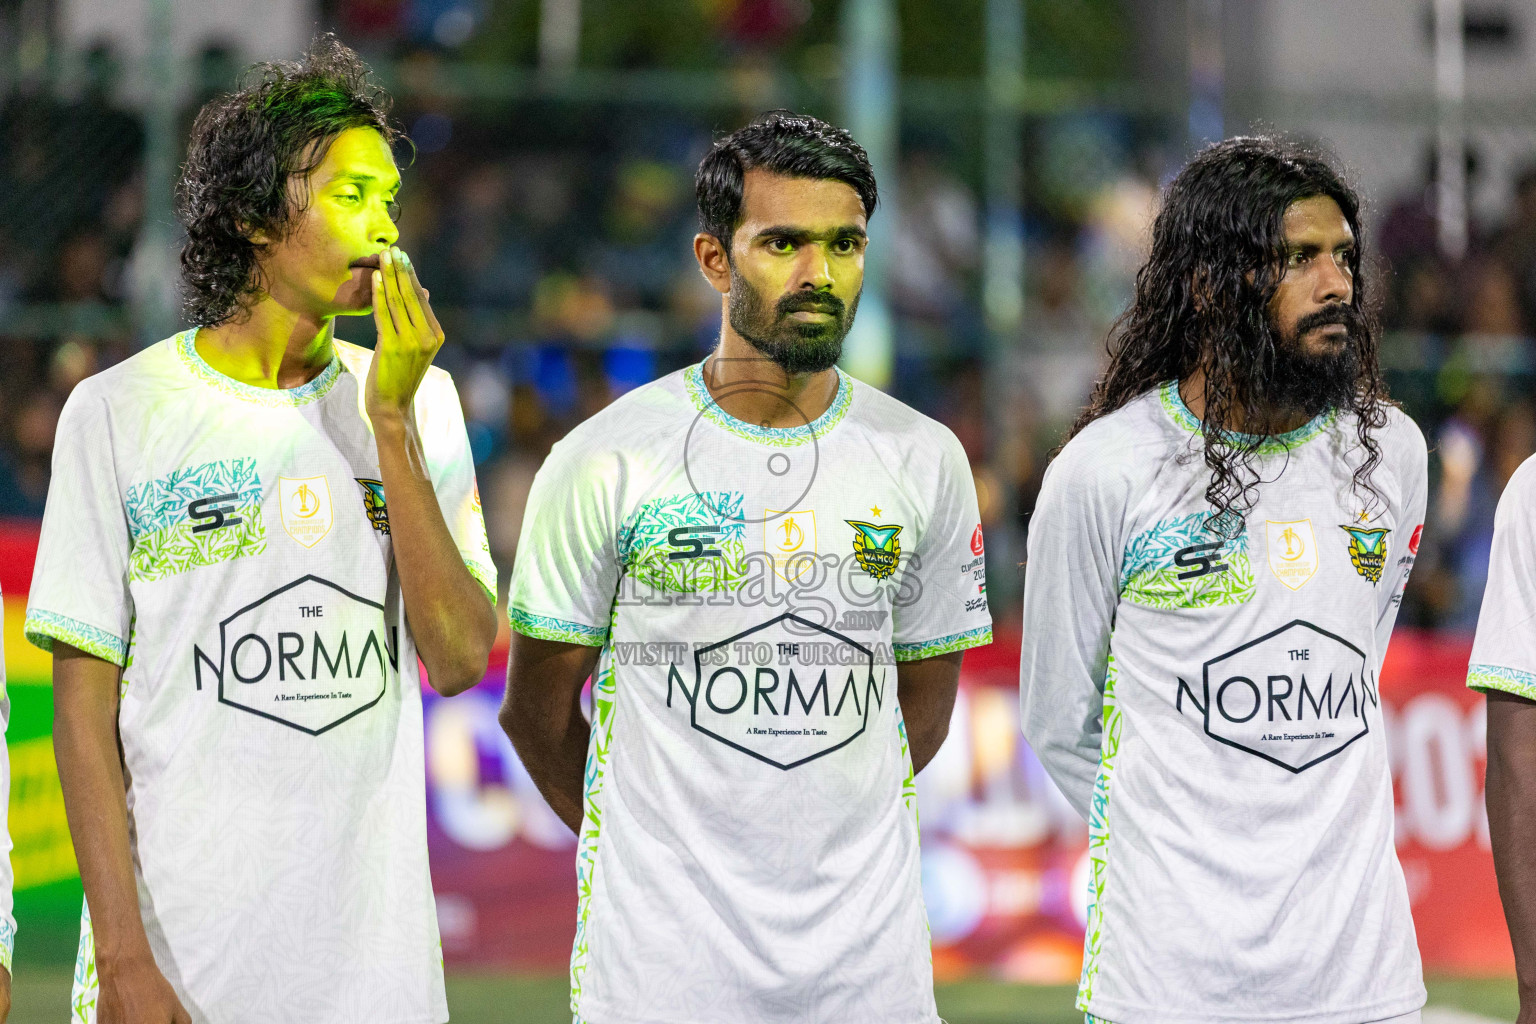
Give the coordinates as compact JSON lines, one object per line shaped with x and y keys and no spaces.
{"x":423,"y":303}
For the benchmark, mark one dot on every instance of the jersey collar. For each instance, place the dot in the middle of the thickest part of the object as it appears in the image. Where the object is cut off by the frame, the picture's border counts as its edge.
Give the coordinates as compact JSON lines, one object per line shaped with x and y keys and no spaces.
{"x":271,"y":397}
{"x":1272,"y":444}
{"x":778,"y":437}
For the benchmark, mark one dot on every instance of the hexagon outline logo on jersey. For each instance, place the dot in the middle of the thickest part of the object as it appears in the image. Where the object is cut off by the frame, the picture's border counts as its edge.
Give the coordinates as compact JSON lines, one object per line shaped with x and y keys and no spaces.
{"x":876,"y":547}
{"x":310,"y":655}
{"x":1243,"y":704}
{"x":374,"y":505}
{"x":1292,"y":548}
{"x":1367,"y":550}
{"x":305,"y":503}
{"x":791,"y":733}
{"x":789,"y":538}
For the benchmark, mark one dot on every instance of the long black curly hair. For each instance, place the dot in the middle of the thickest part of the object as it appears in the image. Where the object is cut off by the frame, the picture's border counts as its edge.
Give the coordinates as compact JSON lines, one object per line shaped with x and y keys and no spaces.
{"x":1202,"y":300}
{"x":245,"y":148}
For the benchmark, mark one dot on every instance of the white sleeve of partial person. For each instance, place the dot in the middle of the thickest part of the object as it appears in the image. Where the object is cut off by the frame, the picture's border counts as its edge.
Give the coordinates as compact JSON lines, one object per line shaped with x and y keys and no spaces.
{"x":1071,"y":586}
{"x":7,"y":880}
{"x":1413,"y":476}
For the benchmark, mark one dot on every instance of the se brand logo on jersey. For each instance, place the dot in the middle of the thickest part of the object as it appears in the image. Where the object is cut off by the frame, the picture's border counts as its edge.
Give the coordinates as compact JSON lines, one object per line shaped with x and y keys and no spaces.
{"x":373,"y":503}
{"x":693,"y":542}
{"x":306,"y":507}
{"x":213,"y":512}
{"x":790,"y":538}
{"x":1199,"y":560}
{"x":1367,"y":551}
{"x":1292,"y":551}
{"x":876,"y":548}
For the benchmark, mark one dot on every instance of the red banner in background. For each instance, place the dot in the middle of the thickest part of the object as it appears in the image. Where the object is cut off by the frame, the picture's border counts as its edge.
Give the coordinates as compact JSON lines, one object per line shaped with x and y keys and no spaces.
{"x":1004,"y":871}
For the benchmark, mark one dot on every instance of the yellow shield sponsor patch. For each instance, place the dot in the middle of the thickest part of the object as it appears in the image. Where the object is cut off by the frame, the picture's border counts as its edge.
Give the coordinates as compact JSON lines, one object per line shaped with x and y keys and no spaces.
{"x":1292,"y":551}
{"x":306,"y":505}
{"x":789,"y":538}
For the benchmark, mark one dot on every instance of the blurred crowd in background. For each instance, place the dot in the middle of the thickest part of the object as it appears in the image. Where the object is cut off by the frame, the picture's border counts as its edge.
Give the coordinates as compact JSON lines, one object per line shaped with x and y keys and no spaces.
{"x":555,"y":236}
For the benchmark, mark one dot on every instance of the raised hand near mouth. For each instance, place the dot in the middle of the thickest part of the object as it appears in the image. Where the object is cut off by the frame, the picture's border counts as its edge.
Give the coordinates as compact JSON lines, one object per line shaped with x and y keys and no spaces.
{"x":409,"y":337}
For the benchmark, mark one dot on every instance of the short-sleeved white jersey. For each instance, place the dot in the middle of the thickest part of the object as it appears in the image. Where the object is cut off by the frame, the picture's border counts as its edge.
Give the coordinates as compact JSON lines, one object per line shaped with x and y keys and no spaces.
{"x":1504,"y":652}
{"x":7,"y":893}
{"x":229,"y":546}
{"x":1209,"y":704}
{"x":749,"y":850}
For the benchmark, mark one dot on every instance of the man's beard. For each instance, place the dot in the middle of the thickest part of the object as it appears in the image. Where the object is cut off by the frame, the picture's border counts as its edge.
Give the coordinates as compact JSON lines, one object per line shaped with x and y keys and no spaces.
{"x":1314,"y":383}
{"x":797,"y":347}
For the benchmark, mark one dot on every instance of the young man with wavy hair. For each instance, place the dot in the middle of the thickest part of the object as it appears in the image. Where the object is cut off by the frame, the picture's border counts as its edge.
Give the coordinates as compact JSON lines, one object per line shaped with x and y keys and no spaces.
{"x":253,"y":532}
{"x":1215,"y":564}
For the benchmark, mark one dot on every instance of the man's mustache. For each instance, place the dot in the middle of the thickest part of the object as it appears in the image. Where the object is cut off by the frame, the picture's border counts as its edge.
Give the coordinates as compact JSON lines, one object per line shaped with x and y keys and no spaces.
{"x":816,"y":303}
{"x":1339,"y":313}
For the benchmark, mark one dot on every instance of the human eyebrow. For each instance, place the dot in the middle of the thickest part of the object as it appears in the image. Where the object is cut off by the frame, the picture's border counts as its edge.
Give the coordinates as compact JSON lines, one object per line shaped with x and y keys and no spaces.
{"x":800,"y":235}
{"x":365,"y":180}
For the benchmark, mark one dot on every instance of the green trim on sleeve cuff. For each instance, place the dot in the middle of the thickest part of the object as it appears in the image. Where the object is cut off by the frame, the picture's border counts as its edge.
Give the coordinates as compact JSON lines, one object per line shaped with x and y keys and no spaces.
{"x":1497,"y":677}
{"x":44,"y":627}
{"x":7,"y":943}
{"x":977,"y":637}
{"x":544,"y":627}
{"x":483,"y":576}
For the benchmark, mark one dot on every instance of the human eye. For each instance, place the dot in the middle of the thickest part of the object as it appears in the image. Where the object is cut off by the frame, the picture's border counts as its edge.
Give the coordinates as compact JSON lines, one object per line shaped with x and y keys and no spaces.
{"x":845,"y":246}
{"x":780,"y":245}
{"x":393,"y":206}
{"x":1296,"y":258}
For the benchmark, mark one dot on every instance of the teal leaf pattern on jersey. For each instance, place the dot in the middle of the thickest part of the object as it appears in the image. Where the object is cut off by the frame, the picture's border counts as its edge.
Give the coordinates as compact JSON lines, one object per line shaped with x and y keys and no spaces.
{"x":44,"y":627}
{"x":82,"y":1001}
{"x":978,"y":637}
{"x":1497,"y":677}
{"x":1098,"y":840}
{"x":645,"y":550}
{"x":547,"y":627}
{"x":1150,"y":577}
{"x":778,"y":437}
{"x":598,"y":753}
{"x":1271,"y":444}
{"x":162,"y":530}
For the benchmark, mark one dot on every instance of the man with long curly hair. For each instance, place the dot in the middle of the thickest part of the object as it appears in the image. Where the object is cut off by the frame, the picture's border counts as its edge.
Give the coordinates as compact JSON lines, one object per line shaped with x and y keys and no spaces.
{"x":1215,"y":563}
{"x":254,"y":530}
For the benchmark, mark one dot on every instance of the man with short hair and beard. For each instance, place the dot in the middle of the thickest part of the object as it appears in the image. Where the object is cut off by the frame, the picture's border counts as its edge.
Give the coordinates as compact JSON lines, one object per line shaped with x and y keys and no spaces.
{"x":770,"y":571}
{"x":1215,"y":563}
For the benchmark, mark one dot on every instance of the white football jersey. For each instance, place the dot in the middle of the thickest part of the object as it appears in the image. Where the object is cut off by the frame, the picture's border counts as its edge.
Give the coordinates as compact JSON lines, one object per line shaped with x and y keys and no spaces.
{"x":1209,"y":704}
{"x":749,"y":850}
{"x":1504,"y":652}
{"x":7,"y":893}
{"x":229,"y":546}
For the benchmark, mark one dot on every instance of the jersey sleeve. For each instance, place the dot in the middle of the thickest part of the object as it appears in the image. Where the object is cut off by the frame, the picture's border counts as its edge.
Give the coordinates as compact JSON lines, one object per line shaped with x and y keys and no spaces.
{"x":566,"y":572}
{"x":941,"y":606}
{"x":79,"y":592}
{"x":1403,"y":546}
{"x":1504,"y":650}
{"x":452,"y":467}
{"x":7,"y":896}
{"x":1071,"y":587}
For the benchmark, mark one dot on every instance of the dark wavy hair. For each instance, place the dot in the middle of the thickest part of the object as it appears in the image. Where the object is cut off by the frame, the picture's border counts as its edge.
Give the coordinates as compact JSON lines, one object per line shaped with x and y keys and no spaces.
{"x":1202,"y":299}
{"x":784,"y":142}
{"x":245,"y":148}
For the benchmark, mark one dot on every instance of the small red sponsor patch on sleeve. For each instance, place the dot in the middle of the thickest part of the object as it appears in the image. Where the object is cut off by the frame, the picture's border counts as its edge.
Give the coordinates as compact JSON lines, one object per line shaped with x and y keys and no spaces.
{"x":976,"y":540}
{"x":1413,"y":542}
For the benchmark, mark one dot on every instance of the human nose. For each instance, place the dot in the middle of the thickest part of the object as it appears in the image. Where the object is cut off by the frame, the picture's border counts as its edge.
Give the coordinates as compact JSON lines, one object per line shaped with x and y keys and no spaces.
{"x":816,"y":268}
{"x":1335,"y":282}
{"x":383,"y":230}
